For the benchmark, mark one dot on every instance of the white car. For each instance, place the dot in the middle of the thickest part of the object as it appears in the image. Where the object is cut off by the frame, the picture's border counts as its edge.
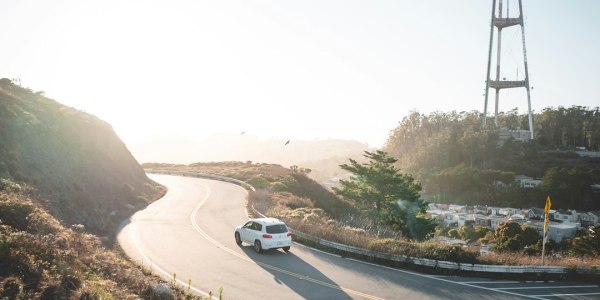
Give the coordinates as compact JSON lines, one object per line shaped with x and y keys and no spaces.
{"x":263,"y":234}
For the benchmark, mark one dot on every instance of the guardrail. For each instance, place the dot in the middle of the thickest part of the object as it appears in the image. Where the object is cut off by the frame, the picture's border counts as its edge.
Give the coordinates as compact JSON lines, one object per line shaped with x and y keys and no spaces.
{"x":440,"y":264}
{"x":432,"y":263}
{"x":202,"y":175}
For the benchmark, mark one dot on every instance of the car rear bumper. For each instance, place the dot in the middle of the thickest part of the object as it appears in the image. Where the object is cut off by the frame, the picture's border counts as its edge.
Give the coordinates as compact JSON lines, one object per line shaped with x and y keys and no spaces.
{"x":276,"y":244}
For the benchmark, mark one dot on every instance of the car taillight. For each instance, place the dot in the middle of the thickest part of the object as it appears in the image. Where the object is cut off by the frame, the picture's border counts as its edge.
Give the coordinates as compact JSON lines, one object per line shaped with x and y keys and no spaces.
{"x":267,"y":236}
{"x":289,"y":234}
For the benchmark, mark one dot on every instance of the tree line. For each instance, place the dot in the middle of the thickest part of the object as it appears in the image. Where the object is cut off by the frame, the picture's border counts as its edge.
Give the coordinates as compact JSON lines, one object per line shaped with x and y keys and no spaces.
{"x":456,"y":160}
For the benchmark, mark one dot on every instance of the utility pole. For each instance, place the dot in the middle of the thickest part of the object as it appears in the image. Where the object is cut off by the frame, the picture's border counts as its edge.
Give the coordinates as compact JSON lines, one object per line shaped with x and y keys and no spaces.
{"x":499,"y":23}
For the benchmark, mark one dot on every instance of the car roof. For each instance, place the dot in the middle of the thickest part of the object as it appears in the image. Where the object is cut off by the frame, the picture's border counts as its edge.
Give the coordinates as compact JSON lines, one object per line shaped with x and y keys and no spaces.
{"x":268,"y":221}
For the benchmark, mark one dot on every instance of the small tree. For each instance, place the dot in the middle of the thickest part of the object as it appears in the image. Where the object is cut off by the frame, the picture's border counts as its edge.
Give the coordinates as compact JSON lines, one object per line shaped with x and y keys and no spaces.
{"x":421,"y":227}
{"x":529,"y":235}
{"x":508,"y":229}
{"x":509,"y":236}
{"x":381,"y":190}
{"x":511,"y":244}
{"x":482,"y":231}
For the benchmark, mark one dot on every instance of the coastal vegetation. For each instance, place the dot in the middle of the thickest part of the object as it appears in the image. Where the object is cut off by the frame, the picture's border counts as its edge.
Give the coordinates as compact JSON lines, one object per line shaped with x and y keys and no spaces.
{"x":459,"y":162}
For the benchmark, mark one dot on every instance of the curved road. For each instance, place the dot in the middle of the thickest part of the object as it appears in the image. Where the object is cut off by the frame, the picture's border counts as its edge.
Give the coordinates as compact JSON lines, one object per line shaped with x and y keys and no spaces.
{"x":188,"y":235}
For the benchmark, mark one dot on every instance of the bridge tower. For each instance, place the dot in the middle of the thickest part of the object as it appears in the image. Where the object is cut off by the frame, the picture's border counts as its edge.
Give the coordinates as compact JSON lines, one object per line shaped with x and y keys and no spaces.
{"x":499,"y":23}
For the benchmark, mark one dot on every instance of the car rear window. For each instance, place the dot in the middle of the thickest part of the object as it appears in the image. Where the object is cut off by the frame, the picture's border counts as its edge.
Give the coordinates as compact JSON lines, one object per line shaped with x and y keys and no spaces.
{"x":280,"y":228}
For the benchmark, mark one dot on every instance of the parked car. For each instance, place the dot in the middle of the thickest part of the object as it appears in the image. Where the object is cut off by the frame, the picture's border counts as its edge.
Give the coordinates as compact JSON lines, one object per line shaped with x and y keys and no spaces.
{"x":264,"y":234}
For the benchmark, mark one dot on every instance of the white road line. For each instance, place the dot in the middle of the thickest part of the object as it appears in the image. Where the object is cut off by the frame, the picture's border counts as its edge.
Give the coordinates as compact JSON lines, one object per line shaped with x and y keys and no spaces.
{"x":577,"y":294}
{"x":493,"y":282}
{"x":264,"y":265}
{"x":449,"y":281}
{"x":549,"y":287}
{"x":434,"y":277}
{"x":161,"y":270}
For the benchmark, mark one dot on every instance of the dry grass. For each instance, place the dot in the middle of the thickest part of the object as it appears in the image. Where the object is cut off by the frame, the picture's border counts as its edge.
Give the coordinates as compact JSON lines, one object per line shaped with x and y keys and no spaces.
{"x":300,"y":214}
{"x":360,"y":232}
{"x":520,"y":259}
{"x":40,"y":258}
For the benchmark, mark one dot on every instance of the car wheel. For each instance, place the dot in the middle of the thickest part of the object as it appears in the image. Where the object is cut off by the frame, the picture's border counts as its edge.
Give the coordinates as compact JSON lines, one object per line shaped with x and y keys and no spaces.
{"x":237,"y":238}
{"x":286,"y":249}
{"x":257,"y":246}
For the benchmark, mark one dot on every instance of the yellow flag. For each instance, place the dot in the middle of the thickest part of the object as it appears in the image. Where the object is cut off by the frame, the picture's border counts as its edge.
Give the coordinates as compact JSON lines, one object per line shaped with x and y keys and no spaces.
{"x":546,"y":210}
{"x":548,"y":205}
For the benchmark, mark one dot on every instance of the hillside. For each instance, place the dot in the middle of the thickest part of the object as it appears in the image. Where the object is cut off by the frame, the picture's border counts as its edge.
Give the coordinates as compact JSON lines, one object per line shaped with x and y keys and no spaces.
{"x":458,"y":161}
{"x":75,"y":160}
{"x":42,"y":259}
{"x":293,"y":182}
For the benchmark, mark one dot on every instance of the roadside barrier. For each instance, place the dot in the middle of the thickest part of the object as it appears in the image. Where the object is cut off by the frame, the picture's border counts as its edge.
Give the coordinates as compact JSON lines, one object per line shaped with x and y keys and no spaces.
{"x":432,"y":263}
{"x":201,"y":175}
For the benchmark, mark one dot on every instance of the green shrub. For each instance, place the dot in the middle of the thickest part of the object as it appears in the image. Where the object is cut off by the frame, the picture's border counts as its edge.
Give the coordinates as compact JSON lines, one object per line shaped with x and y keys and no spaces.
{"x":278,"y":186}
{"x":454,"y":233}
{"x":508,"y":229}
{"x":259,"y":182}
{"x":508,"y":244}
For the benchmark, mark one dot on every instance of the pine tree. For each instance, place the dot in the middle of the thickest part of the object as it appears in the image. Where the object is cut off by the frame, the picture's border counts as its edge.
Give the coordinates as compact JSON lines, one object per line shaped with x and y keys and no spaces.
{"x":380,"y":190}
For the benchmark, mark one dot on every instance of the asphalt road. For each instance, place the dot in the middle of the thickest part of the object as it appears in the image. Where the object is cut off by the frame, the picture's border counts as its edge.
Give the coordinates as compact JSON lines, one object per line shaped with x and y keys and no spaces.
{"x":187,"y":236}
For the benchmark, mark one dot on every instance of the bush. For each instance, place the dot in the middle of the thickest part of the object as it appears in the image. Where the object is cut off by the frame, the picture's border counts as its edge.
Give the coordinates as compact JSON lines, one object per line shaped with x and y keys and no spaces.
{"x":278,"y":186}
{"x":424,"y":250}
{"x":9,"y":185}
{"x":508,"y":229}
{"x":291,"y":201}
{"x":421,"y":227}
{"x":70,"y":283}
{"x":259,"y":182}
{"x":42,"y":223}
{"x":15,"y":214}
{"x":454,"y":233}
{"x":508,"y":244}
{"x":529,"y":235}
{"x":54,"y":292}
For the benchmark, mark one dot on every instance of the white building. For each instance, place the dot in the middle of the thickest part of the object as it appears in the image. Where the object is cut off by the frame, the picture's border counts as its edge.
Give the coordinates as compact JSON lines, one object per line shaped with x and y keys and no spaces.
{"x":527,"y":182}
{"x":457,"y":208}
{"x":516,"y":217}
{"x":535,"y":213}
{"x":493,"y":211}
{"x":458,"y":219}
{"x":478,"y":209}
{"x":566,"y":216}
{"x":558,"y":232}
{"x":520,"y":135}
{"x":495,"y":221}
{"x":450,"y":218}
{"x":508,"y":211}
{"x":590,"y":218}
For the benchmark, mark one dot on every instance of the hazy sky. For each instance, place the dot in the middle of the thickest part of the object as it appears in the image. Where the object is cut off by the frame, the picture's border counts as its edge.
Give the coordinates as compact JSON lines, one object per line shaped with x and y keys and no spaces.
{"x":290,"y":69}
